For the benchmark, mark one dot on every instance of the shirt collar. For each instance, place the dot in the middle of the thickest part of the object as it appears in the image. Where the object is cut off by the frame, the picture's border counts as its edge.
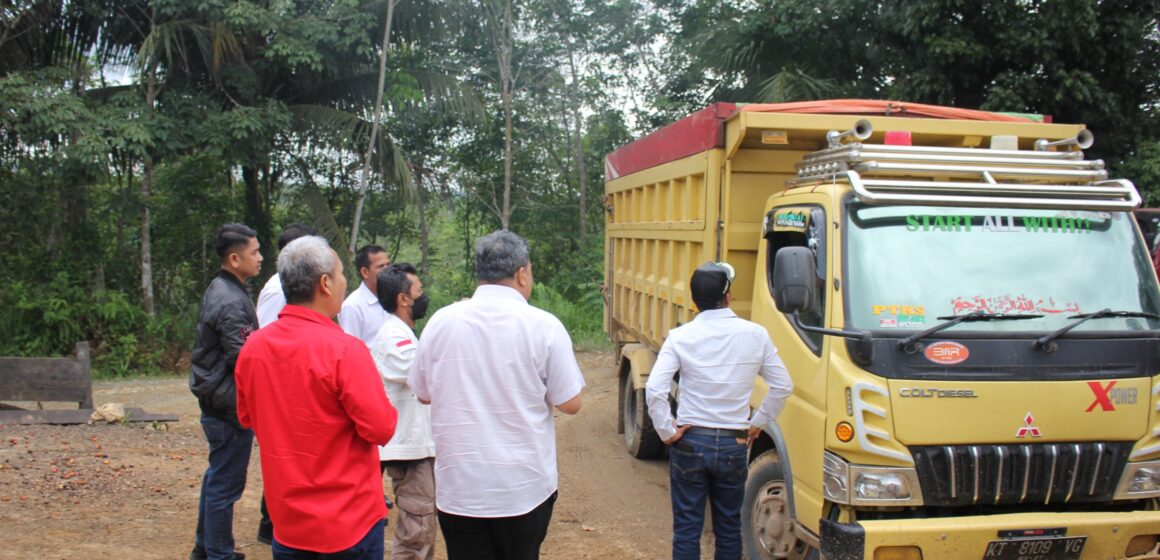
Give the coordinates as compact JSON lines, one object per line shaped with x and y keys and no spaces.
{"x":399,"y":322}
{"x":725,"y":313}
{"x":499,"y":291}
{"x":307,"y":314}
{"x":368,"y":298}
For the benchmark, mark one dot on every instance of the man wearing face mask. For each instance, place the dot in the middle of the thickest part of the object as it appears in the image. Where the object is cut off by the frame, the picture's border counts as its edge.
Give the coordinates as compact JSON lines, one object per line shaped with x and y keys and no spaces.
{"x":409,"y":458}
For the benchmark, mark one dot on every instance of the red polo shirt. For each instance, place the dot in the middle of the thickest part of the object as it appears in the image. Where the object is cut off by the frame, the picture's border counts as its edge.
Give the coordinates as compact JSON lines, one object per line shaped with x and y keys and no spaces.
{"x":314,"y":399}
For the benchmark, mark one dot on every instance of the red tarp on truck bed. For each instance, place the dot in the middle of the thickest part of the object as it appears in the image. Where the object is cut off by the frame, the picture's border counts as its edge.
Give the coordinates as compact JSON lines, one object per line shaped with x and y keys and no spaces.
{"x":884,"y":108}
{"x":704,"y":129}
{"x":693,"y":134}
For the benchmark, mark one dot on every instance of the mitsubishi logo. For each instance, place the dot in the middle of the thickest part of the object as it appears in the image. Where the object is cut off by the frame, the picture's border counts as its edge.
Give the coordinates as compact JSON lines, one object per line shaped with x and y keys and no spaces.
{"x":1028,"y":428}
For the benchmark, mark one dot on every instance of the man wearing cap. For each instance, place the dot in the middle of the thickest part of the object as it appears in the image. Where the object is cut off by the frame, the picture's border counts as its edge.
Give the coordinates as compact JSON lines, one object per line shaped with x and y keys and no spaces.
{"x":718,"y":355}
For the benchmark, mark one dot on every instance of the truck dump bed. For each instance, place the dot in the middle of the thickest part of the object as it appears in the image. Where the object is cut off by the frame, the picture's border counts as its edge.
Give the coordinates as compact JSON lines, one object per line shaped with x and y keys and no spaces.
{"x":694,"y":192}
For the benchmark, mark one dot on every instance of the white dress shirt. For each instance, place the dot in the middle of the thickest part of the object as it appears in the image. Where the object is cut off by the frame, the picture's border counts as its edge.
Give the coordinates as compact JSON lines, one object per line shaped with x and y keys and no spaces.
{"x":719,"y":355}
{"x":493,"y":367}
{"x":271,"y":300}
{"x":393,"y":350}
{"x":361,"y":315}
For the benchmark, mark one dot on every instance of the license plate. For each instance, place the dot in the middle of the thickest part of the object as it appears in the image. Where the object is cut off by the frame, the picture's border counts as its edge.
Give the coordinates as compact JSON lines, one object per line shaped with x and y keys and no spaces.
{"x":1055,"y":548}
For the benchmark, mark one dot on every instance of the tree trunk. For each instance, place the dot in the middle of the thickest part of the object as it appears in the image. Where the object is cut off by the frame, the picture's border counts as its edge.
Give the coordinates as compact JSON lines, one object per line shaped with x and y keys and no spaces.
{"x":579,"y":149}
{"x":147,"y":193}
{"x":146,"y":239}
{"x":362,"y":182}
{"x":256,"y":215}
{"x":501,"y":32}
{"x":421,"y":208}
{"x":505,"y":218}
{"x":505,"y":72}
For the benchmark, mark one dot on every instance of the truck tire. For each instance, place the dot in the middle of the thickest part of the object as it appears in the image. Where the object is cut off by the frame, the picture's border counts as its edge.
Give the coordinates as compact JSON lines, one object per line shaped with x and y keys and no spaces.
{"x":639,"y":436}
{"x":766,"y":525}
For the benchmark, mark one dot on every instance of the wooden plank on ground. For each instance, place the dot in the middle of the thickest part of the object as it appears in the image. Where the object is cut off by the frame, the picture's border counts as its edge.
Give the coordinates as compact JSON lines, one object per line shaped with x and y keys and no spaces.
{"x":48,"y":379}
{"x":75,"y":416}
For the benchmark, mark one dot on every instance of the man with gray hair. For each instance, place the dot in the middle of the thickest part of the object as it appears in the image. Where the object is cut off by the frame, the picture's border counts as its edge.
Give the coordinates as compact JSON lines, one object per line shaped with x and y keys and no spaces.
{"x":313,"y":397}
{"x":493,"y":368}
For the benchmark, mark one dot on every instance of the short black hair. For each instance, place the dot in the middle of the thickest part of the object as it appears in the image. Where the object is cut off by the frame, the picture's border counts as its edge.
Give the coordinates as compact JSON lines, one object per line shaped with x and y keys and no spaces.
{"x":294,"y":231}
{"x":709,"y":285}
{"x":362,"y":259}
{"x":232,"y":236}
{"x":393,"y":281}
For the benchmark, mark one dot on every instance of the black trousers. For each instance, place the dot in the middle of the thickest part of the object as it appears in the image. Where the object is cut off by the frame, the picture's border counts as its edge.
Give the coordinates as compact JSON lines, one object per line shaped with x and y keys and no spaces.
{"x":497,"y":538}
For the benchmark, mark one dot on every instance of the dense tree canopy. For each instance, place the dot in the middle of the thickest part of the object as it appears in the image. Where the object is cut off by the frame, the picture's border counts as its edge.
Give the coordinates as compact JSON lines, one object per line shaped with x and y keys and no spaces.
{"x":131,"y":129}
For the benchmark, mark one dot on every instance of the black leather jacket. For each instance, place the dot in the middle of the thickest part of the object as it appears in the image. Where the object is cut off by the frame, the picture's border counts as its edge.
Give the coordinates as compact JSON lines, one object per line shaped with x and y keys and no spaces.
{"x":225,"y":320}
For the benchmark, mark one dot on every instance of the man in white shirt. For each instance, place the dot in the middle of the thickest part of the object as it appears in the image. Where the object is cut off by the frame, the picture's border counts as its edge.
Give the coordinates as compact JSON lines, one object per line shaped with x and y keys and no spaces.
{"x":409,"y":458}
{"x":494,"y":368}
{"x":270,"y":299}
{"x":362,"y":315}
{"x":718,"y":355}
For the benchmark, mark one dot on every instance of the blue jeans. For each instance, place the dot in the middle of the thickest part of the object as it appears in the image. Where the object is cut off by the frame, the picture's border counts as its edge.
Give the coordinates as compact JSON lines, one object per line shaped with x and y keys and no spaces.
{"x":713,"y":467}
{"x":369,"y":548}
{"x":222,"y":485}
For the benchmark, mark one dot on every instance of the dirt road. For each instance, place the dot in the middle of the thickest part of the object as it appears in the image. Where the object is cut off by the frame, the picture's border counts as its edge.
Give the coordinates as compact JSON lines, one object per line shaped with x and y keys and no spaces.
{"x":130,"y":491}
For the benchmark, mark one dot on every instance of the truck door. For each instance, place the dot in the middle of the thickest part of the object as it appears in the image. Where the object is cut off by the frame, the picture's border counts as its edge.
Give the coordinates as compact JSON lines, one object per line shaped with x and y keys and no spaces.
{"x":804,"y":222}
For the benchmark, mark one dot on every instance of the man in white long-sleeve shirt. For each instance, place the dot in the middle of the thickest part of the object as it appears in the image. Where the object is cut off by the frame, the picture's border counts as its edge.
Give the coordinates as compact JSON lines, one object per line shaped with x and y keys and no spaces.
{"x":718,"y":355}
{"x":271,"y":300}
{"x":409,"y":459}
{"x":362,"y":315}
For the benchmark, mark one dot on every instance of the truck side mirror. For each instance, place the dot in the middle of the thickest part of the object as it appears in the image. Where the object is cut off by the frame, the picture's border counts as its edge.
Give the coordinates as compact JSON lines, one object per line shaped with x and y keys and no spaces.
{"x":793,"y":279}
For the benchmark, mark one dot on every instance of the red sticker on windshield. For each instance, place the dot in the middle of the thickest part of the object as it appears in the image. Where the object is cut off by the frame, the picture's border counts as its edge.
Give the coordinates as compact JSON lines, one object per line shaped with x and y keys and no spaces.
{"x":946,"y":353}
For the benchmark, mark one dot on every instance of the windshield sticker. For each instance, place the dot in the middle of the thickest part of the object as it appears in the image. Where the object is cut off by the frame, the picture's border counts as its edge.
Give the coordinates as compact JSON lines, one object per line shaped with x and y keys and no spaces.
{"x":999,"y":224}
{"x":793,"y":219}
{"x":900,"y":316}
{"x":1011,"y":304}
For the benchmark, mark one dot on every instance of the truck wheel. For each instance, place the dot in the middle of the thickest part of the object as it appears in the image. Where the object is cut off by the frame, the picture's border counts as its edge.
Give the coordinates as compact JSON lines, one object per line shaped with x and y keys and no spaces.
{"x":639,"y":436}
{"x":766,"y":525}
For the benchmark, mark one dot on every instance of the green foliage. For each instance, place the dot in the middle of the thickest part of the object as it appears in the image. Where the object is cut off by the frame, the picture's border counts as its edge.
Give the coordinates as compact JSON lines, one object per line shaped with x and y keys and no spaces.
{"x":583,"y":318}
{"x":49,"y":319}
{"x":260,"y":112}
{"x":1144,"y":169}
{"x":1096,"y":63}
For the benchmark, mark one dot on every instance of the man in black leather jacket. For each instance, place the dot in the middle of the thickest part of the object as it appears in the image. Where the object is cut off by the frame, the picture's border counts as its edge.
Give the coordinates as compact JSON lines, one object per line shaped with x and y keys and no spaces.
{"x":225,"y":320}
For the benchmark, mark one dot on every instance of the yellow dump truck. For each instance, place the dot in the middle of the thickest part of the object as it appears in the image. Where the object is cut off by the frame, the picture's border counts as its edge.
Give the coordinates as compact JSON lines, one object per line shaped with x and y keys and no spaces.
{"x":965,"y":305}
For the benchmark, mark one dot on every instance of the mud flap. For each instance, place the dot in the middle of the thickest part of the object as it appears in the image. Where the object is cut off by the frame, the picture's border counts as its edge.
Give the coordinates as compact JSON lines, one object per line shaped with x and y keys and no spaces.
{"x":842,"y":541}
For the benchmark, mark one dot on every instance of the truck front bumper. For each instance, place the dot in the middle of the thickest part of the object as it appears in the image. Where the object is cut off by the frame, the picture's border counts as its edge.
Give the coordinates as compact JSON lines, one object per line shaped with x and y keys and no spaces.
{"x":1108,"y":534}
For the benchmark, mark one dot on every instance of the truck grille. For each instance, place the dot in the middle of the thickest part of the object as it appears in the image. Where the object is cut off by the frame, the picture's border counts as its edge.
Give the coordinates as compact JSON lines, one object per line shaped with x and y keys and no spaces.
{"x":1044,"y":473}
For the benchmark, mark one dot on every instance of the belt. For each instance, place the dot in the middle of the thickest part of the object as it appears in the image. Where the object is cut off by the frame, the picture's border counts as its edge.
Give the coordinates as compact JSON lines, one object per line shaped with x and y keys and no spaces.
{"x":718,"y":432}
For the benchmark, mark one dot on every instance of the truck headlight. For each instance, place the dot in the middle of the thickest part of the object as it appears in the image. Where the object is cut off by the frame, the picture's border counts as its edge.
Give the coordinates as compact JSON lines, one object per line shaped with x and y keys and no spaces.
{"x":1140,"y":480}
{"x":869,"y":486}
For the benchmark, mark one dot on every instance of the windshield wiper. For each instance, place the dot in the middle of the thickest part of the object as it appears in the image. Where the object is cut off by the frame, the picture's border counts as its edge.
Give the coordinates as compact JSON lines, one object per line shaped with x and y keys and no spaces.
{"x":1044,"y":341}
{"x":977,"y":316}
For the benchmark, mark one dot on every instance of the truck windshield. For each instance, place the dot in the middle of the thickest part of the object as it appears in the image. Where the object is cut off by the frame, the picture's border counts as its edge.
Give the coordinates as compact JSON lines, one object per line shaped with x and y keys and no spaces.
{"x":909,"y":265}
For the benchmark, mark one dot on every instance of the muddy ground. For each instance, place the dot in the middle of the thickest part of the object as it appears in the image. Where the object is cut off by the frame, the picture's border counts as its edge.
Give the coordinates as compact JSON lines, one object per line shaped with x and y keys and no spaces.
{"x":130,"y":490}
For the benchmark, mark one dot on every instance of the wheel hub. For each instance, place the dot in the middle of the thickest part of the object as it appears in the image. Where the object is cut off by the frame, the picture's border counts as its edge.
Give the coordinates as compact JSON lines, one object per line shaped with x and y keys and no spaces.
{"x":772,"y":526}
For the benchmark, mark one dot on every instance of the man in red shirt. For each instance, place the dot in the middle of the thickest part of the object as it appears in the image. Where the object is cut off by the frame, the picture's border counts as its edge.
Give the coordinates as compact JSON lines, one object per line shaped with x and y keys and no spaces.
{"x":313,"y":397}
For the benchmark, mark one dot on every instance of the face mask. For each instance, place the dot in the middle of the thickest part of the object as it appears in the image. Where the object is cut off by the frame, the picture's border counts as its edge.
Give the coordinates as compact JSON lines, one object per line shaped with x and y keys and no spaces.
{"x":419,"y":308}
